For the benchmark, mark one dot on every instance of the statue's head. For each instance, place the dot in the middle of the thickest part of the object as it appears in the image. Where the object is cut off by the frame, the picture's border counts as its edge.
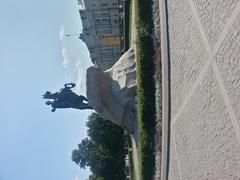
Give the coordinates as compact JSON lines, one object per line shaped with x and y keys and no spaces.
{"x":48,"y":102}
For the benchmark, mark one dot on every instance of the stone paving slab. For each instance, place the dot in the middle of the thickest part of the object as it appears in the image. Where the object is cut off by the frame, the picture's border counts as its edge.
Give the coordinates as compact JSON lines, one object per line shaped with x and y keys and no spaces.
{"x":204,"y":69}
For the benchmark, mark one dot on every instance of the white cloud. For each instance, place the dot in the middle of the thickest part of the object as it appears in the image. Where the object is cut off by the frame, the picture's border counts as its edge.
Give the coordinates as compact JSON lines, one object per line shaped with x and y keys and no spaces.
{"x":78,"y":64}
{"x":77,"y":178}
{"x":65,"y":58}
{"x":81,"y":76}
{"x":61,"y":33}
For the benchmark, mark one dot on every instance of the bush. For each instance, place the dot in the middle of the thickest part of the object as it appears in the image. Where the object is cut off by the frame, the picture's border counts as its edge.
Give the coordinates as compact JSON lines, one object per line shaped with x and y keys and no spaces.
{"x":145,"y":88}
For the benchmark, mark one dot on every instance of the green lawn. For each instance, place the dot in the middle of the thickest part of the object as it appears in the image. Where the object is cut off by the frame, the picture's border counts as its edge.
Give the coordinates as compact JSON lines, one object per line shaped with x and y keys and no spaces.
{"x":132,"y":172}
{"x":127,"y":44}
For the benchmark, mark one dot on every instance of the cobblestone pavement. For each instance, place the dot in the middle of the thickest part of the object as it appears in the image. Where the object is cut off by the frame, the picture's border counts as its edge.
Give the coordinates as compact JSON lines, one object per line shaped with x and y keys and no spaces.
{"x":204,"y":48}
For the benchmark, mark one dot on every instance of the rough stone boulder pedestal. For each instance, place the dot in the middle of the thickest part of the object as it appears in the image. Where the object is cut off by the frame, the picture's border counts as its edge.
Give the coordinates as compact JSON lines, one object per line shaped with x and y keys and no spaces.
{"x":111,"y":93}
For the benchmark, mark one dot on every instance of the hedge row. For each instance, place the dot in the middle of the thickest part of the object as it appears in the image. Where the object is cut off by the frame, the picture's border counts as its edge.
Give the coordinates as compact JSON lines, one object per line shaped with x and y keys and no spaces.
{"x":145,"y":87}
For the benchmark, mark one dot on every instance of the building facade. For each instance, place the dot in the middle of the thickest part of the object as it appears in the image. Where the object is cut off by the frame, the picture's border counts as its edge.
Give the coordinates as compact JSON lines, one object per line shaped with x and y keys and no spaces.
{"x":102,"y":30}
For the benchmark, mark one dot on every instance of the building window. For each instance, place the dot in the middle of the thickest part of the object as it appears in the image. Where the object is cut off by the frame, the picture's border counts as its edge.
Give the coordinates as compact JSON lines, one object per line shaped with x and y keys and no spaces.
{"x":100,"y":26}
{"x":82,"y":13}
{"x":104,"y":4}
{"x":91,"y":50}
{"x":104,"y":14}
{"x":108,"y":31}
{"x":104,"y":31}
{"x":97,"y":21}
{"x":103,"y":1}
{"x":115,"y":21}
{"x":105,"y":20}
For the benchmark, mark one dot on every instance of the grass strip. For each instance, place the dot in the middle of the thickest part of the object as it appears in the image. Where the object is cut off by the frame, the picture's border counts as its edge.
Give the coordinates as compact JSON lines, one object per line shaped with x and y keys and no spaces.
{"x":131,"y":161}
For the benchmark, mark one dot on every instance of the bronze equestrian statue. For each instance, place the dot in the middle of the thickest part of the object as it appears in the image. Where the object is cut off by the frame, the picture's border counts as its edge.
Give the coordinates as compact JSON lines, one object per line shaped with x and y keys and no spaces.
{"x":66,"y":98}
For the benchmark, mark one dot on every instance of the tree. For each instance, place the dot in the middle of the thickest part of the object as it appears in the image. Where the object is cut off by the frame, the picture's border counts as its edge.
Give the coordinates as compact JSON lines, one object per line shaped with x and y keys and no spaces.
{"x":81,"y":155}
{"x":95,"y":177}
{"x":103,"y":151}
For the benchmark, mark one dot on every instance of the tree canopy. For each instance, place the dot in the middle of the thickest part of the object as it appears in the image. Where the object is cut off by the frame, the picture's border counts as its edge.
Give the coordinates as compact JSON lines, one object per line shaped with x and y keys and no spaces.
{"x":103,"y":151}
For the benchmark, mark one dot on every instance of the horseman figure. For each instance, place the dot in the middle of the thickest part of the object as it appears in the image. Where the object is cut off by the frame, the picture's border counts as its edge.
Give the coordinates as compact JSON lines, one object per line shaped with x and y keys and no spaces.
{"x":66,"y":98}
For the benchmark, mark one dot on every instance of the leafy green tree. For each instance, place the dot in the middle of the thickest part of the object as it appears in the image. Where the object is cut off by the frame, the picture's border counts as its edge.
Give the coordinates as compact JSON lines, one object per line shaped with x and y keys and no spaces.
{"x":95,"y":177}
{"x":103,"y":151}
{"x":81,"y":155}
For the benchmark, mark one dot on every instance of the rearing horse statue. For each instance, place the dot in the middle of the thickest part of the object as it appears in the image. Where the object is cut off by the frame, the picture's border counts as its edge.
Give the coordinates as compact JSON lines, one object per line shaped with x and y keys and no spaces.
{"x":66,"y":98}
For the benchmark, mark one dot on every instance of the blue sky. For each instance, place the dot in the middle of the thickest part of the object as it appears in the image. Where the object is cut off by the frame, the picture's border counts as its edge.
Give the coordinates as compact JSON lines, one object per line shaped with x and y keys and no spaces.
{"x":36,"y":144}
